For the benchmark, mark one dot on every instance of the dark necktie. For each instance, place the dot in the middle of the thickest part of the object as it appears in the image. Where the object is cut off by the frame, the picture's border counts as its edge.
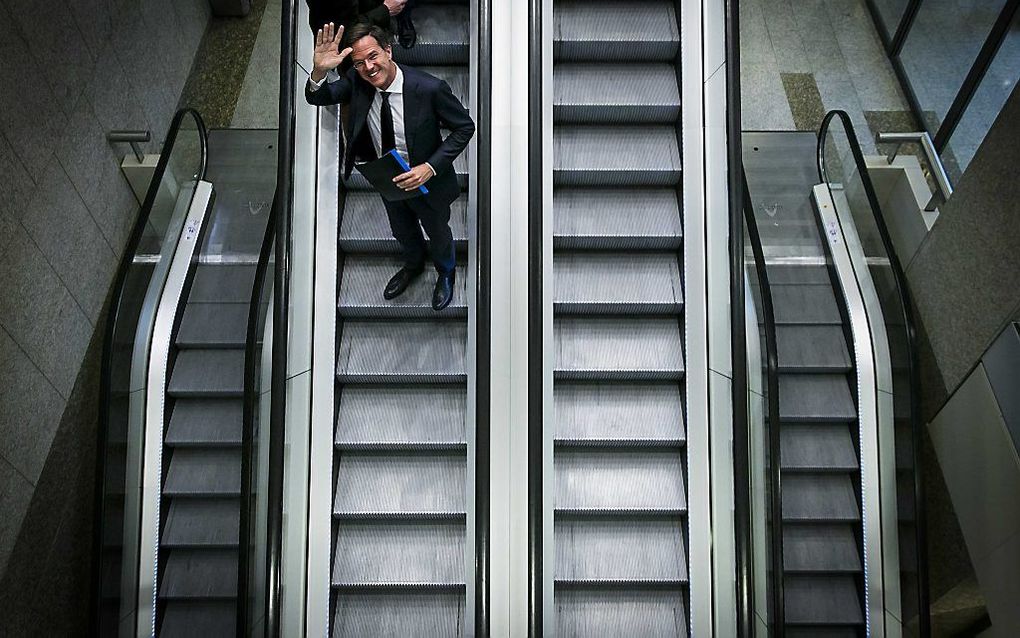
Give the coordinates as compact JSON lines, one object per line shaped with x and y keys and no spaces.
{"x":389,"y":139}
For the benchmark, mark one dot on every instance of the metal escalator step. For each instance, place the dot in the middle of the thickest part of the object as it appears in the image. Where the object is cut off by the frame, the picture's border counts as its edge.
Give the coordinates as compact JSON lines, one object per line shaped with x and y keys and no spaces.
{"x":787,"y":274}
{"x":366,"y":229}
{"x":357,"y":181}
{"x":822,"y":600}
{"x":208,"y":373}
{"x":401,"y":417}
{"x":458,"y":77}
{"x":204,"y":472}
{"x":608,"y":30}
{"x":619,"y":480}
{"x":190,"y":618}
{"x":613,"y":93}
{"x":616,"y":219}
{"x":418,"y":553}
{"x":365,"y":276}
{"x":820,"y":548}
{"x":405,"y":352}
{"x":221,"y":283}
{"x":815,"y":398}
{"x":400,"y":614}
{"x":214,"y":325}
{"x":602,"y":413}
{"x":819,"y":497}
{"x":822,"y":632}
{"x":619,"y":614}
{"x":812,"y":349}
{"x":443,"y":36}
{"x":205,"y":422}
{"x":818,"y":447}
{"x":805,"y":303}
{"x":616,"y":156}
{"x":601,"y":283}
{"x":620,"y":551}
{"x":387,"y":484}
{"x":202,"y":522}
{"x":199,"y":573}
{"x":618,"y":348}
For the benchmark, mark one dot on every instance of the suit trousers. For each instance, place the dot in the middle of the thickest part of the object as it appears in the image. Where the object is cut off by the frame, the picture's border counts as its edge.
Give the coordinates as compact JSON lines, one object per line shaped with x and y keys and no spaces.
{"x":408,"y":217}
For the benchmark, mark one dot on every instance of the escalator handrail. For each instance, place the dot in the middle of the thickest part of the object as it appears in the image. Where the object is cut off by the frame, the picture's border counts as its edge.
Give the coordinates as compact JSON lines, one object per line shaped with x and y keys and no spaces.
{"x":250,"y":408}
{"x":778,"y":607}
{"x":109,"y":327}
{"x":907,"y":310}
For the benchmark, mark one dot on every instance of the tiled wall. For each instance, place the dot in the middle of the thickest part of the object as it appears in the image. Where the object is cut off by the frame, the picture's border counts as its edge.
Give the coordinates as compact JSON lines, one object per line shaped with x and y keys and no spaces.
{"x":69,"y":72}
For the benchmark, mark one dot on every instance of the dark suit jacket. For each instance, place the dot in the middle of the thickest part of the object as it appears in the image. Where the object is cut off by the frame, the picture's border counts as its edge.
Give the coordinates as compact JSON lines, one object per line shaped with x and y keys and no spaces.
{"x":347,"y":13}
{"x":428,"y":104}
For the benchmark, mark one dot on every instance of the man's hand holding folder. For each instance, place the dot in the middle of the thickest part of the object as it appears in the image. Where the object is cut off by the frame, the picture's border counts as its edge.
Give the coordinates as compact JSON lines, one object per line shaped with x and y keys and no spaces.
{"x":394,"y":179}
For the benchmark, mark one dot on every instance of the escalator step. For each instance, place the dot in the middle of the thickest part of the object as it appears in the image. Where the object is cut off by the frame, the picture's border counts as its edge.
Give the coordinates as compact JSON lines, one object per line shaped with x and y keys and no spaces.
{"x":815,"y":398}
{"x":416,"y":416}
{"x":804,"y":304}
{"x":651,"y":614}
{"x":812,"y":349}
{"x":601,"y":413}
{"x":366,"y":229}
{"x":822,"y":600}
{"x":819,"y":497}
{"x":364,"y":278}
{"x":214,"y":325}
{"x":405,"y":352}
{"x":818,"y":447}
{"x":595,"y":31}
{"x":205,"y":422}
{"x":202,"y":523}
{"x":422,"y":553}
{"x":613,"y":93}
{"x":199,"y":573}
{"x":443,"y":36}
{"x":208,"y":373}
{"x":618,"y":348}
{"x":374,"y":483}
{"x":219,"y":283}
{"x":619,"y":481}
{"x":399,"y":614}
{"x":820,"y":548}
{"x":616,"y":219}
{"x":458,"y":77}
{"x":616,"y":156}
{"x":357,"y":181}
{"x":190,"y":618}
{"x":620,"y":551}
{"x":204,"y":472}
{"x":822,"y":632}
{"x":600,"y":283}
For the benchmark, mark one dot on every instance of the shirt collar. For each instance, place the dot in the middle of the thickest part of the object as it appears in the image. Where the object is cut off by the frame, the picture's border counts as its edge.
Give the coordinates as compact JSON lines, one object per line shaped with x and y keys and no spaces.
{"x":397,"y":85}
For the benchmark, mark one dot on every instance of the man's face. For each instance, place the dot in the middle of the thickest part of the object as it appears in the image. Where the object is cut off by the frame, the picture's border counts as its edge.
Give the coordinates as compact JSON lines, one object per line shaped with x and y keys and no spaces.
{"x":373,"y":62}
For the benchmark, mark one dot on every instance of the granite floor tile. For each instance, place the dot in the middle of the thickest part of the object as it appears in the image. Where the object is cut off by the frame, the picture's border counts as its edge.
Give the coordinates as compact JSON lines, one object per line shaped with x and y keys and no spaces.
{"x":837,"y":91}
{"x":867,"y":64}
{"x":763,"y":100}
{"x":29,"y":412}
{"x":805,"y":101}
{"x":818,"y":37}
{"x":66,"y":233}
{"x":15,"y":496}
{"x":781,"y":20}
{"x":258,"y":102}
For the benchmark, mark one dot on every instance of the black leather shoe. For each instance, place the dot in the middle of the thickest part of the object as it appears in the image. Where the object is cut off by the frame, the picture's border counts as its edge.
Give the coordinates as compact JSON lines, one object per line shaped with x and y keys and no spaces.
{"x":406,"y":33}
{"x":399,"y":282}
{"x":442,"y":295}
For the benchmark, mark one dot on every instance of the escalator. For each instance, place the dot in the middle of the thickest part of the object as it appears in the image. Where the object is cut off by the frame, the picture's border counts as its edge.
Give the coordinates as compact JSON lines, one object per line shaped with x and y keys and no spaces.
{"x":619,"y":461}
{"x":399,"y":561}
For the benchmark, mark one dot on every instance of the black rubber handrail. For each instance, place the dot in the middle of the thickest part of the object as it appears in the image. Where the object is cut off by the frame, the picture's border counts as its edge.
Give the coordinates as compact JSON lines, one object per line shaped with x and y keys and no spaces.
{"x":909,"y":325}
{"x":109,"y":328}
{"x":252,"y":370}
{"x":281,"y":303}
{"x":483,"y":315}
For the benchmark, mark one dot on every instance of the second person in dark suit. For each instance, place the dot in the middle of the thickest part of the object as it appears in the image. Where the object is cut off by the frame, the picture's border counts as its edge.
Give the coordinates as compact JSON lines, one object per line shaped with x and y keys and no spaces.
{"x":398,"y":107}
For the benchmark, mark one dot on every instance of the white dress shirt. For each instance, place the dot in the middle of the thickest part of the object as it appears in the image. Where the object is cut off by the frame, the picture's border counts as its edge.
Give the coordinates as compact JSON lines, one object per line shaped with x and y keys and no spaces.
{"x":396,"y":91}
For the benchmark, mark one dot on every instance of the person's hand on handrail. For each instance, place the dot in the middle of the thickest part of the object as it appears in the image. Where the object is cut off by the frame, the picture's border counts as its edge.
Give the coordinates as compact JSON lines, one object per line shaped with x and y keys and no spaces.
{"x":327,"y":55}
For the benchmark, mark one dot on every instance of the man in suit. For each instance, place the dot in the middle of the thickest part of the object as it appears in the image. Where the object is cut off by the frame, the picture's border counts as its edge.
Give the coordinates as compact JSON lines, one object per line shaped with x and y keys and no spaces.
{"x":398,"y":107}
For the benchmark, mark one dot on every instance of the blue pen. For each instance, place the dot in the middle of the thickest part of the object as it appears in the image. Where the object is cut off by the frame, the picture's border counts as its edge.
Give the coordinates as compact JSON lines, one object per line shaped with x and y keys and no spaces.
{"x":403,"y":165}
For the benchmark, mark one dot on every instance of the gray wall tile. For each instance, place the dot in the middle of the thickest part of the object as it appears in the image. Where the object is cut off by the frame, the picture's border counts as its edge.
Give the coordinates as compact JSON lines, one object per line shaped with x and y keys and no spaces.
{"x":15,"y":495}
{"x":28,"y":416}
{"x":38,"y":311}
{"x":16,"y":184}
{"x":70,"y":239}
{"x":114,"y":100}
{"x":193,"y":15}
{"x":95,"y":22}
{"x":145,"y":66}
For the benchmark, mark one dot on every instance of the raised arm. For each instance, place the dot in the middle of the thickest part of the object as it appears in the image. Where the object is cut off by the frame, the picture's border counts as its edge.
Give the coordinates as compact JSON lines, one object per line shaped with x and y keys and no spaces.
{"x":327,"y":57}
{"x":455,"y":117}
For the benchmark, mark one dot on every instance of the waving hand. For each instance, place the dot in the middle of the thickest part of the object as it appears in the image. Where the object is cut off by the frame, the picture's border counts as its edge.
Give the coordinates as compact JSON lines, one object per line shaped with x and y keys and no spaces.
{"x":327,"y":55}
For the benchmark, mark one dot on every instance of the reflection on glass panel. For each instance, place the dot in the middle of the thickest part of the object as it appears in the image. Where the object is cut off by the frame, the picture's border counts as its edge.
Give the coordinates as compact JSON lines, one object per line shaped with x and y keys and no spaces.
{"x":940,"y":49}
{"x":984,"y":107}
{"x":890,"y":12}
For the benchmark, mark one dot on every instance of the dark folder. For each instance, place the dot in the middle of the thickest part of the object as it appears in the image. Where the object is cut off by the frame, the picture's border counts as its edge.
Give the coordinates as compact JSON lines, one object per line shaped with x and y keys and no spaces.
{"x":380,"y":174}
